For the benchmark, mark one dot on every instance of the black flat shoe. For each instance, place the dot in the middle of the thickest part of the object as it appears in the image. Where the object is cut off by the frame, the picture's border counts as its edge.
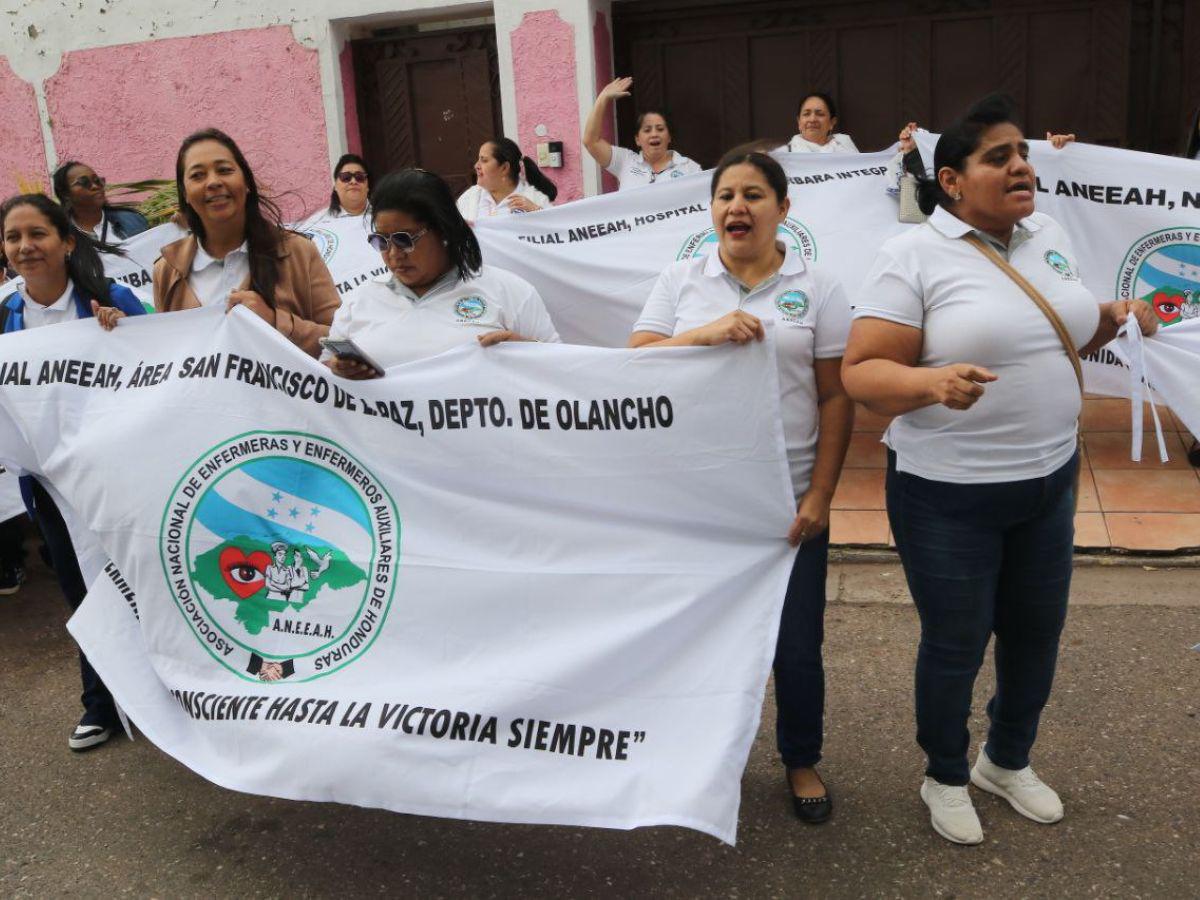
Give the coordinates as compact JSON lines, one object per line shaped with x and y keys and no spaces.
{"x":811,"y":810}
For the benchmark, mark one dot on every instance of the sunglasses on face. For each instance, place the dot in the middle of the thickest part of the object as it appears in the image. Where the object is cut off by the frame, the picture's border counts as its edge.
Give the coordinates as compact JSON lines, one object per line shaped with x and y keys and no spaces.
{"x":347,"y":177}
{"x":401,"y":240}
{"x":87,"y":181}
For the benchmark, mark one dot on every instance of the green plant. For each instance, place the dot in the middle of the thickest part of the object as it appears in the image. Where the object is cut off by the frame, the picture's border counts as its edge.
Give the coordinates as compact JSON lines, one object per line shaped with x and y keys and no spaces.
{"x":158,"y":205}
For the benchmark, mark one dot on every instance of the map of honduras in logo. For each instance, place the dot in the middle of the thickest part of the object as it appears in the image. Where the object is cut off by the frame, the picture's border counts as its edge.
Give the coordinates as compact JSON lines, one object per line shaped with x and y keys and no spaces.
{"x":280,"y":550}
{"x":1163,"y":269}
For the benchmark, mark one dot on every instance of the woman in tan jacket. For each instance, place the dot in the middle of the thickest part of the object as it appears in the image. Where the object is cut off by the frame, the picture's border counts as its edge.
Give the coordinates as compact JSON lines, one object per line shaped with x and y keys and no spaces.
{"x":239,"y":253}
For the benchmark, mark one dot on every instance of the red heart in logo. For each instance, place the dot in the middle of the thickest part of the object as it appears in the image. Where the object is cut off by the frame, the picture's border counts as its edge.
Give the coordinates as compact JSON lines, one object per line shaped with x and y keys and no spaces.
{"x":244,"y":574}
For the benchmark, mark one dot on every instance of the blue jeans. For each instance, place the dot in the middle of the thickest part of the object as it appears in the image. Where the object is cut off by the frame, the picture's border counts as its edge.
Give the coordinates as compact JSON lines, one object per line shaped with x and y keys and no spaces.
{"x":799,"y":671}
{"x":984,"y":559}
{"x":98,"y":706}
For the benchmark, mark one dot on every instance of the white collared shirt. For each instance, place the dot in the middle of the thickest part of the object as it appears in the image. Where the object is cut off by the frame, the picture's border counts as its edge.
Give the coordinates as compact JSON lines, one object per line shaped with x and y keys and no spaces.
{"x":811,"y":316}
{"x":211,"y":280}
{"x":970,"y":311}
{"x":61,"y":310}
{"x":478,"y":203}
{"x":392,"y":325}
{"x":98,"y":233}
{"x":632,"y":170}
{"x":837,"y":143}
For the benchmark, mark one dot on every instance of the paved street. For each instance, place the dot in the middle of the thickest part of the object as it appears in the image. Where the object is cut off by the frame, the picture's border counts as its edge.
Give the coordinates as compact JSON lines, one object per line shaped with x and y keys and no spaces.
{"x":1121,"y":742}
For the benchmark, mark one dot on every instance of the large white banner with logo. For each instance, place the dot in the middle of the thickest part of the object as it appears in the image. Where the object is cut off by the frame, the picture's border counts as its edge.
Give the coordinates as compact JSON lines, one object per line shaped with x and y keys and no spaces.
{"x":594,"y":261}
{"x":477,"y":588}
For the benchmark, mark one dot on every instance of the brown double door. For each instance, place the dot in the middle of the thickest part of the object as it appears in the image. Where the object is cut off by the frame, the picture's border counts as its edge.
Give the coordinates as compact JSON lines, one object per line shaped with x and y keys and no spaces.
{"x":730,"y":72}
{"x":428,"y":100}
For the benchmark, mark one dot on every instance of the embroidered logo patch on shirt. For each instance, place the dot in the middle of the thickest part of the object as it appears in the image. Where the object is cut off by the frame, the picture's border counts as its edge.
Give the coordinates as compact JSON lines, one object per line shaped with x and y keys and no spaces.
{"x":470,"y":307}
{"x":1059,"y":264}
{"x":792,"y":305}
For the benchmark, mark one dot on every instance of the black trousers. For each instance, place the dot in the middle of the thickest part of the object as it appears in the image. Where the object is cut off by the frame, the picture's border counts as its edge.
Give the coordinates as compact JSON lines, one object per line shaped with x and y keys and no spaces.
{"x":12,"y":549}
{"x":98,"y":705}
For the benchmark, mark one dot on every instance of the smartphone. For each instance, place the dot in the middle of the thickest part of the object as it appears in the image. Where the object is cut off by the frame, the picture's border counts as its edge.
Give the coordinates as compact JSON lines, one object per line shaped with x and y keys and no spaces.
{"x":345,"y":348}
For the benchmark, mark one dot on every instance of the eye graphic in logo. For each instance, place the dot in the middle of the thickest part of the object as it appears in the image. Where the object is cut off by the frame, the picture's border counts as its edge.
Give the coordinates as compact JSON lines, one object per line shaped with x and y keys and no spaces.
{"x":326,"y":241}
{"x":283,"y":567}
{"x":792,"y":305}
{"x":1163,"y":269}
{"x":470,"y":307}
{"x":792,"y":233}
{"x":1059,"y":264}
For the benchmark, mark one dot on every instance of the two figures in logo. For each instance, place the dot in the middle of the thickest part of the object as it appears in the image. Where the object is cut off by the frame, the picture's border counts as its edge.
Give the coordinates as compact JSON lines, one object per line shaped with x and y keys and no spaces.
{"x":290,"y":583}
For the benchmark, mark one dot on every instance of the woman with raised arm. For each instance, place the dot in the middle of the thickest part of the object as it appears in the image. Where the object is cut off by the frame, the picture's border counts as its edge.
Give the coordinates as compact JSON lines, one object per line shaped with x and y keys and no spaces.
{"x":655,"y":161}
{"x":437,"y":292}
{"x":968,"y":330}
{"x":239,"y":253}
{"x":725,"y":297}
{"x":506,"y":182}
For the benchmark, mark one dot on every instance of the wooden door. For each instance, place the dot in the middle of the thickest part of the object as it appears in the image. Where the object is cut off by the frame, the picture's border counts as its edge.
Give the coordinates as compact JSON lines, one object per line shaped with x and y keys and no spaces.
{"x":428,"y":100}
{"x":731,"y":72}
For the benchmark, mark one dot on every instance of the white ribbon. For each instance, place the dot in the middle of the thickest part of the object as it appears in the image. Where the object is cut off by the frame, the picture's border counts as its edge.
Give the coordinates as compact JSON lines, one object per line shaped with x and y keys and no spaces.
{"x":1129,"y":337}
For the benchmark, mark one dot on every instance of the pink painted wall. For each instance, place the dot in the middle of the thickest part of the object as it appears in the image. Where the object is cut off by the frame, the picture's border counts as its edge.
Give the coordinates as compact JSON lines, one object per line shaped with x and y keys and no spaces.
{"x":21,"y":150}
{"x":602,"y":47}
{"x":543,"y":48}
{"x":350,"y":101}
{"x":257,"y":85}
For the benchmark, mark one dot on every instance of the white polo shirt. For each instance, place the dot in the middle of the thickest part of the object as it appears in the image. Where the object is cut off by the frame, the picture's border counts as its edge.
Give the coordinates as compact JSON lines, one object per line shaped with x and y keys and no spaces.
{"x":211,"y":280}
{"x":812,"y":320}
{"x":837,"y":143}
{"x":392,"y":325}
{"x":61,"y":310}
{"x":477,"y":203}
{"x":969,"y":311}
{"x":631,"y":169}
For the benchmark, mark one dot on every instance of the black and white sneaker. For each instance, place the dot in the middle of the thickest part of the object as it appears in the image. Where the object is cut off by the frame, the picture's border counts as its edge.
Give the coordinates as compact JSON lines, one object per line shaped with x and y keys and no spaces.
{"x":86,"y":737}
{"x":11,"y":579}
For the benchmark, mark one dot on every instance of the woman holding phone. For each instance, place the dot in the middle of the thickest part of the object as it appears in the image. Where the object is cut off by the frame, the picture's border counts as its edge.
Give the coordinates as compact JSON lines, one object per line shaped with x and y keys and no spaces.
{"x":436,"y":294}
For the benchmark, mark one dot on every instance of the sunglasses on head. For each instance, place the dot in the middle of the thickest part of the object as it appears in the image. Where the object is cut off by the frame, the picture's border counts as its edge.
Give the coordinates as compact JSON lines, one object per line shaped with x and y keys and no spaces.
{"x":401,"y":240}
{"x":87,"y":181}
{"x":347,"y":177}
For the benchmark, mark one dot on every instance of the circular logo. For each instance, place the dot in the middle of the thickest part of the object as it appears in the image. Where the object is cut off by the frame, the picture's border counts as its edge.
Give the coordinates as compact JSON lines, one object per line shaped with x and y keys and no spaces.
{"x":1163,"y":269}
{"x":326,"y":241}
{"x":470,"y":307}
{"x":792,"y":232}
{"x":792,"y":305}
{"x":1059,"y":264}
{"x":280,"y":550}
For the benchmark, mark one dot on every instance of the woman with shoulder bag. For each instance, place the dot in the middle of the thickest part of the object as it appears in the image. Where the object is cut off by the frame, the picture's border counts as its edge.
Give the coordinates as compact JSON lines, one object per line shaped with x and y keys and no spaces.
{"x":968,"y":330}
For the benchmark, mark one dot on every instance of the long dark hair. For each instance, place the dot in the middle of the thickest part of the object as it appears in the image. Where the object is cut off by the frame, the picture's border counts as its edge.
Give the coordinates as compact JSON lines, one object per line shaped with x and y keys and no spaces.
{"x":84,"y":266}
{"x":427,"y":198}
{"x":960,"y":140}
{"x":62,"y":190}
{"x":264,"y":222}
{"x":747,"y":155}
{"x":335,"y":202}
{"x":506,"y":150}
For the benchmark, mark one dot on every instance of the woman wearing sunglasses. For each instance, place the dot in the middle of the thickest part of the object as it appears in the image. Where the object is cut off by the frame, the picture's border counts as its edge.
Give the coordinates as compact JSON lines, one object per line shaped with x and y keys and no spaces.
{"x":505,"y":182}
{"x":351,"y":186}
{"x":81,"y":192}
{"x":238,"y":252}
{"x":437,"y":293}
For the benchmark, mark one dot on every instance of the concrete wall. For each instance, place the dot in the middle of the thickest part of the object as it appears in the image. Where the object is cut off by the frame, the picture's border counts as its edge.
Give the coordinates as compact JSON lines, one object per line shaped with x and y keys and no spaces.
{"x":118,"y":83}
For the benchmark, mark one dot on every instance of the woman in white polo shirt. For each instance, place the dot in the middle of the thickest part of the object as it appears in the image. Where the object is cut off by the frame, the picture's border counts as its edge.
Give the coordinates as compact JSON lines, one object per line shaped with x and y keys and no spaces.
{"x":725,"y":297}
{"x":437,"y":293}
{"x":506,"y":182}
{"x":983,"y":455}
{"x":654,"y":160}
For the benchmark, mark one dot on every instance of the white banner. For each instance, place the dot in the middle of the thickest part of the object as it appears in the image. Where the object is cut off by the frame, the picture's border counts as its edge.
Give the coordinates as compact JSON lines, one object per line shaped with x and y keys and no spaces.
{"x":473,"y":589}
{"x":594,"y":261}
{"x":342,"y":241}
{"x":135,"y":270}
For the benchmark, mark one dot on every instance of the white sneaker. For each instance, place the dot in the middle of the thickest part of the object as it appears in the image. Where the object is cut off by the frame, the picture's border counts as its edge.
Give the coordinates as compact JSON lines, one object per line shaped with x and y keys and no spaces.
{"x":85,"y":737}
{"x":1024,"y":791}
{"x":951,"y":812}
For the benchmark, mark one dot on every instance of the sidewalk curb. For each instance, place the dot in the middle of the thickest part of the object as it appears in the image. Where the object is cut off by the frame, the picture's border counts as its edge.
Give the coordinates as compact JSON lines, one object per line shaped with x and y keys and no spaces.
{"x":1187,"y":559}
